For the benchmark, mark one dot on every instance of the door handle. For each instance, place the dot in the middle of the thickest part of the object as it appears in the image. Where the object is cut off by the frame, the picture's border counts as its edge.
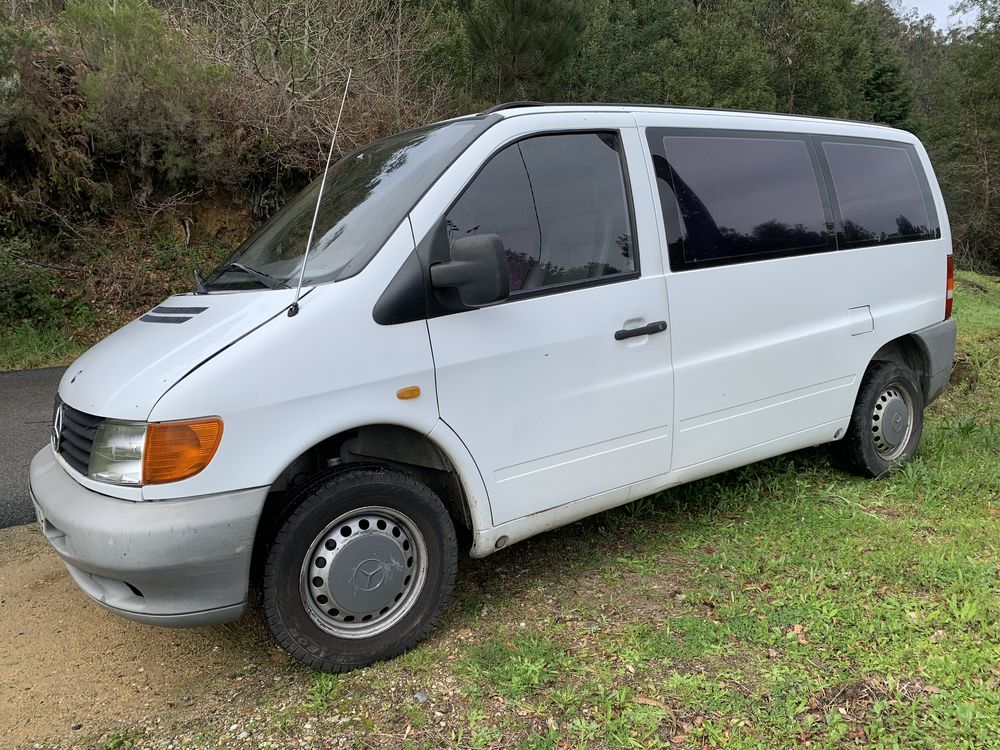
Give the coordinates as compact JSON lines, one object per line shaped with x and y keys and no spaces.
{"x":648,"y":330}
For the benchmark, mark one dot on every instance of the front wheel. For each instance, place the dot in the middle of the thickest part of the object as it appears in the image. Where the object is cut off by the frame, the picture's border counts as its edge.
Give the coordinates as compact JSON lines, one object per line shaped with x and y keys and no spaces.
{"x":360,"y":570}
{"x":887,"y":421}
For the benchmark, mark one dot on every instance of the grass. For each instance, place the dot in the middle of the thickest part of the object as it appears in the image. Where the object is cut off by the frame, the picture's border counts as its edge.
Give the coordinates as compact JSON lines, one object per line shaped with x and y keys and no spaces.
{"x":123,"y":740}
{"x":26,"y":346}
{"x":782,"y":604}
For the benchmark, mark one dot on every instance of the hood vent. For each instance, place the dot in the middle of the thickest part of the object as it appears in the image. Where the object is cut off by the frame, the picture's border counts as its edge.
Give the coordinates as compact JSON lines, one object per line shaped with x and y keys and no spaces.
{"x":163,"y":314}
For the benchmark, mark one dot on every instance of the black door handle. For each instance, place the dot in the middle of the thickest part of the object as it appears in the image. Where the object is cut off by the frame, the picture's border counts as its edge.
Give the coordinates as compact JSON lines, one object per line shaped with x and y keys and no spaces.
{"x":648,"y":330}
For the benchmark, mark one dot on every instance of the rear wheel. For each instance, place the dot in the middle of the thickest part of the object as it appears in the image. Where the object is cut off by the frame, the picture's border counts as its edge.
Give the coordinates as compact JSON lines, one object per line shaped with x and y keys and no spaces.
{"x":887,"y":421}
{"x":360,"y":570}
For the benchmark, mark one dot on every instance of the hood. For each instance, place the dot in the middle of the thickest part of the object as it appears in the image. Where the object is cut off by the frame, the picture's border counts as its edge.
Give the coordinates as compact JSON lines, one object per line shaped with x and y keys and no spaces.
{"x":124,"y":375}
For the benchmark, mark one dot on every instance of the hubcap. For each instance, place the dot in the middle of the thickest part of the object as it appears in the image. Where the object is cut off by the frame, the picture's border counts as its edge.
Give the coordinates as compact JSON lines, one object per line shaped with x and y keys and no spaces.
{"x":892,"y":422}
{"x":364,"y":571}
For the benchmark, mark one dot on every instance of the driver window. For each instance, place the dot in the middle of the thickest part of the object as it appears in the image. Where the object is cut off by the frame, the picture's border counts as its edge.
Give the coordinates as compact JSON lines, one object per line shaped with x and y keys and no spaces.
{"x":559,"y":204}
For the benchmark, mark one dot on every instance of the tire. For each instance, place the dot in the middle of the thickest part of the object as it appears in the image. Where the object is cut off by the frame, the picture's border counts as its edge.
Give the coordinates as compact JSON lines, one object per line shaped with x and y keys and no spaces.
{"x":360,"y":570}
{"x":886,"y":423}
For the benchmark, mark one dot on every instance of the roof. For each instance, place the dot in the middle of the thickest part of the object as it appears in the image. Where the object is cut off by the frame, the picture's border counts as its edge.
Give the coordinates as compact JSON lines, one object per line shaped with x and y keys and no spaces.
{"x":511,"y":109}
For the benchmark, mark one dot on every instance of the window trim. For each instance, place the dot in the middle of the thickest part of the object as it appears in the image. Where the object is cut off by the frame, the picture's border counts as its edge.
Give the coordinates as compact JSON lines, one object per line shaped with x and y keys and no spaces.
{"x":672,"y":220}
{"x":565,"y":286}
{"x":919,"y":172}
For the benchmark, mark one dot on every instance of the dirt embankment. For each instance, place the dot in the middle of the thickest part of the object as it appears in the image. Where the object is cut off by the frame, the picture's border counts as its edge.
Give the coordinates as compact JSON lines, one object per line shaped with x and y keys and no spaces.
{"x":71,"y":672}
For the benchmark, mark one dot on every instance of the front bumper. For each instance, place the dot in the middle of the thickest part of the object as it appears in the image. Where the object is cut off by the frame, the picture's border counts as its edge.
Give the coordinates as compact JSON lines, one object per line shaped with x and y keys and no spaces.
{"x":177,"y":563}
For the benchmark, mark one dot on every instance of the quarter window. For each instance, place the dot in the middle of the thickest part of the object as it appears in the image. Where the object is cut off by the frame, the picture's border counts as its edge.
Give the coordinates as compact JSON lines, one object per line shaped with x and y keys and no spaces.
{"x":559,"y":204}
{"x":879,"y":193}
{"x":739,"y":198}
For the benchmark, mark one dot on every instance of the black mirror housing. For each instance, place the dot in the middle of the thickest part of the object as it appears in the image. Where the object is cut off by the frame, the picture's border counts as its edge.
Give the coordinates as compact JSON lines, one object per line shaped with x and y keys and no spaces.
{"x":477,"y":269}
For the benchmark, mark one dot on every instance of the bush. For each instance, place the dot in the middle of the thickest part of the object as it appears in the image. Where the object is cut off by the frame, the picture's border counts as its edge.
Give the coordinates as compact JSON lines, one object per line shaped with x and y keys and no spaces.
{"x":147,"y":95}
{"x":45,"y":161}
{"x":28,"y":294}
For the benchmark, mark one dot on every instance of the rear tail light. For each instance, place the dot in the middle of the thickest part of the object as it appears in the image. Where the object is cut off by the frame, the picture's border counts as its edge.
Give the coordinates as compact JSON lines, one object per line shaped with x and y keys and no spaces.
{"x":950,"y":295}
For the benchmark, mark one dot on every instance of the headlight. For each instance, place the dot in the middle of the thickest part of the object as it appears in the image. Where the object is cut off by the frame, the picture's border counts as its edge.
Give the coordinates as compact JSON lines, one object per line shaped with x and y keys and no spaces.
{"x":117,"y":453}
{"x":135,"y":453}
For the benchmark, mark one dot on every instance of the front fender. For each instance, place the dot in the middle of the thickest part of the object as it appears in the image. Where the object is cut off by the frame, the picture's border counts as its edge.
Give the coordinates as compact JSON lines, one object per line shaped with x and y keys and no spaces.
{"x":298,"y":380}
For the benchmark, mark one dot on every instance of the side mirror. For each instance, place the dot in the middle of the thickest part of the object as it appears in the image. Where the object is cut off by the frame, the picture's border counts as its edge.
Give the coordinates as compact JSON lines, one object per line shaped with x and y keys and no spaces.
{"x":477,"y":269}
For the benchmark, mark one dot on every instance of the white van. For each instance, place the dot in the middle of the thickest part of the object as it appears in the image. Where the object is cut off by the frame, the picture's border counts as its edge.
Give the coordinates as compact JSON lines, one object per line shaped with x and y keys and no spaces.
{"x":509,"y":321}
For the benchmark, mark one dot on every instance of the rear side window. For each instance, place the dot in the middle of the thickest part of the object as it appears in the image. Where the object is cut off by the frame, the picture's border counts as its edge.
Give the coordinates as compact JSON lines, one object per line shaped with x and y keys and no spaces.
{"x":881,"y":192}
{"x":559,"y":203}
{"x":730,"y":198}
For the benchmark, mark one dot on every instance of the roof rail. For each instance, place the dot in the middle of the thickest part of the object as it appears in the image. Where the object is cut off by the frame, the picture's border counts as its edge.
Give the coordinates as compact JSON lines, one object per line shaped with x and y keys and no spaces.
{"x":633,"y":105}
{"x":512,"y":105}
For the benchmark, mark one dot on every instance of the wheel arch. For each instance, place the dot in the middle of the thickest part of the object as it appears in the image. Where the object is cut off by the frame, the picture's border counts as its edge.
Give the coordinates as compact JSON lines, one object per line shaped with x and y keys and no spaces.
{"x":909,"y":350}
{"x":384,"y":443}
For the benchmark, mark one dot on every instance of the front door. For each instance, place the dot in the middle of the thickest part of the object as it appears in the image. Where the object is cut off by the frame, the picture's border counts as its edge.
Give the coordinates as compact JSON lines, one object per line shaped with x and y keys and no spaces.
{"x":557,"y":392}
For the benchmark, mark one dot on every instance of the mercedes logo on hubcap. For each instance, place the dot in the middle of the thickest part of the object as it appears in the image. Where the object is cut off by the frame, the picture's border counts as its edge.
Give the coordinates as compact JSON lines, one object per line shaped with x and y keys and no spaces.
{"x":369,"y":575}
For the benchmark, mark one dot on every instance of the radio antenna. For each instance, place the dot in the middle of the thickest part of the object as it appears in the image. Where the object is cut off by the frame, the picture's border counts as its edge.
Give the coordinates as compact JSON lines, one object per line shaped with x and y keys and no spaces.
{"x":293,"y":310}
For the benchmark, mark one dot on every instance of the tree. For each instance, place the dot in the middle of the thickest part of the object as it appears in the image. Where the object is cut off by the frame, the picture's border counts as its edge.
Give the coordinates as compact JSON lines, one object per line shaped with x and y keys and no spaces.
{"x":964,"y":138}
{"x":888,"y":89}
{"x":516,"y":45}
{"x":667,"y":52}
{"x":820,"y":55}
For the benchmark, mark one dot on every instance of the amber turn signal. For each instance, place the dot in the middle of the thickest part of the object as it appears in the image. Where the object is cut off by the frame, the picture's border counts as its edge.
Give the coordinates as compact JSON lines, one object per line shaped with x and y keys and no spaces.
{"x":178,"y":450}
{"x":411,"y":391}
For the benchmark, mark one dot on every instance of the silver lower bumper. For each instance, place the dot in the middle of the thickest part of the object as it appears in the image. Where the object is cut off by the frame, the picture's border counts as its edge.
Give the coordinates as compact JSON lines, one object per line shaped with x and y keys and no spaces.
{"x":174,"y":563}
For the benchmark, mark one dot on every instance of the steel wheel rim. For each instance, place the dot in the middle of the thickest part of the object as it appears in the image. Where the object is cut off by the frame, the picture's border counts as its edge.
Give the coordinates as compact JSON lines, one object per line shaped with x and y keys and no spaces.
{"x":364,"y":572}
{"x":892,"y":421}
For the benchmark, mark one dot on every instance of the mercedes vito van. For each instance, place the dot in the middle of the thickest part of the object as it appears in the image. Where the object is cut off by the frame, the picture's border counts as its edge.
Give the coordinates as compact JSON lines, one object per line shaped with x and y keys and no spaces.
{"x":509,"y":321}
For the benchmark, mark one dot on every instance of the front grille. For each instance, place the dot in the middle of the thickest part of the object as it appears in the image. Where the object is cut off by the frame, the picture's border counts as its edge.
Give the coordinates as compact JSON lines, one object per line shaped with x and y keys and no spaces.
{"x":76,"y":438}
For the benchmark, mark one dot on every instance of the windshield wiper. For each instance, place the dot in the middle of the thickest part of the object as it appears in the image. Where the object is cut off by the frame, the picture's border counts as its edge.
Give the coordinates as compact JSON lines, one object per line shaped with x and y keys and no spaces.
{"x":267,"y":280}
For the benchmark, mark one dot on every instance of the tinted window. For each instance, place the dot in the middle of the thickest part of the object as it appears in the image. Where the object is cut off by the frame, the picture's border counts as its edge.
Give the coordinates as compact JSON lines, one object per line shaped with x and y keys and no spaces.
{"x":878,"y":192}
{"x":739,"y":198}
{"x":559,"y":204}
{"x":499,"y":202}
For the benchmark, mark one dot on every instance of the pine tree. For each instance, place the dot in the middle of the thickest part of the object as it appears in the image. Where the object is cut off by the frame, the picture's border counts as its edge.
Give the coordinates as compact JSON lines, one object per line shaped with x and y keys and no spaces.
{"x":518,"y":44}
{"x":888,"y":89}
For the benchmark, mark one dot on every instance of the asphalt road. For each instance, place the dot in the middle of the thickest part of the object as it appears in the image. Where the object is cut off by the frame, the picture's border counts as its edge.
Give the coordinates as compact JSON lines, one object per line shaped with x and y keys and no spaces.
{"x":25,"y":412}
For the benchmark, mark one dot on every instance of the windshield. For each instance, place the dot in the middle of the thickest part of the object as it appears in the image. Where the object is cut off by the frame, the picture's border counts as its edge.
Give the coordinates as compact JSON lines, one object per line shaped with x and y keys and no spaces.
{"x":367,"y":195}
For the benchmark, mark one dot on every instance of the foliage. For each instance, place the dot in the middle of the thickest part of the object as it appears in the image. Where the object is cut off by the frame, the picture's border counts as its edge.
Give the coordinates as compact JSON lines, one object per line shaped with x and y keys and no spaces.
{"x":963,"y":129}
{"x":25,"y":345}
{"x":518,"y":44}
{"x":39,"y":314}
{"x":623,"y":52}
{"x":45,"y":160}
{"x":889,"y":88}
{"x":126,"y":107}
{"x":123,"y":117}
{"x":828,"y":58}
{"x":146,"y":96}
{"x":27,"y":293}
{"x":666,"y":52}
